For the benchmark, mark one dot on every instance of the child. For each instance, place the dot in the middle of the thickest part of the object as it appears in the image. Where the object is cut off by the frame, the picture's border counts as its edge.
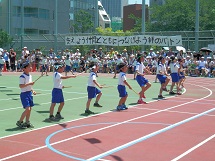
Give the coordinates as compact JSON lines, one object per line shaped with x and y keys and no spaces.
{"x":68,"y":63}
{"x":162,"y":76}
{"x":143,"y":82}
{"x":181,"y":74}
{"x":174,"y":69}
{"x":91,"y":88}
{"x":118,"y":61}
{"x":2,"y":62}
{"x":25,"y":84}
{"x":121,"y":87}
{"x":57,"y":93}
{"x":44,"y":64}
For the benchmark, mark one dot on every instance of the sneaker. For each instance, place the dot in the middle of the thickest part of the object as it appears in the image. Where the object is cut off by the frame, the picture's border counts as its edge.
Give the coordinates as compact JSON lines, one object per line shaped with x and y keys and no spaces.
{"x":89,"y":112}
{"x":141,"y":102}
{"x":124,"y":107}
{"x":97,"y":105}
{"x":160,"y":97}
{"x":178,"y":93}
{"x":120,"y":107}
{"x":28,"y":125}
{"x":58,"y":116}
{"x":172,"y":93}
{"x":21,"y":125}
{"x":51,"y":118}
{"x":165,"y":89}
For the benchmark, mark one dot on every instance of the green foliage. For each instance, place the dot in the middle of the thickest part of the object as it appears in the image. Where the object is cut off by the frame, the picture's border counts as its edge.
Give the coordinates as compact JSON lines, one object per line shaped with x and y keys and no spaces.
{"x":5,"y":39}
{"x":83,"y":22}
{"x":179,"y":15}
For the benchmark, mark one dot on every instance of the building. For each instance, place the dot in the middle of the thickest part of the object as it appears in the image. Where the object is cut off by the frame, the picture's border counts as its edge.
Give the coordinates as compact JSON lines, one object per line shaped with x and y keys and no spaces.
{"x":158,"y":2}
{"x":113,"y":7}
{"x":35,"y":19}
{"x":136,"y":10}
{"x":116,"y":24}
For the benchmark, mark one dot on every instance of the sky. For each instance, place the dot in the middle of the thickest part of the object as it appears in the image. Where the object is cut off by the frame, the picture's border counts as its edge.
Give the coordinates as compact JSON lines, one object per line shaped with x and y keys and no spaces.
{"x":137,"y":1}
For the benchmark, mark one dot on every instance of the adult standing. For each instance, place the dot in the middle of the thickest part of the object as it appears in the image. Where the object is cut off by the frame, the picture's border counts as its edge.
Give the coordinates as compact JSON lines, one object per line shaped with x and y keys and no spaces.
{"x":12,"y":57}
{"x":6,"y":58}
{"x":25,"y":51}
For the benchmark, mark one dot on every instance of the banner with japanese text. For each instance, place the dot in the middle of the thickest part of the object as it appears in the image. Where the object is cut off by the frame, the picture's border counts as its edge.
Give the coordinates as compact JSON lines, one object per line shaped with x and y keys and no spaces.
{"x":124,"y":40}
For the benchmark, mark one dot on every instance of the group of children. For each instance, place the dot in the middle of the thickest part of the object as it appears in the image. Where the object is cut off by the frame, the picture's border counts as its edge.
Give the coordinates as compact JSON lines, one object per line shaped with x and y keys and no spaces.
{"x":26,"y":84}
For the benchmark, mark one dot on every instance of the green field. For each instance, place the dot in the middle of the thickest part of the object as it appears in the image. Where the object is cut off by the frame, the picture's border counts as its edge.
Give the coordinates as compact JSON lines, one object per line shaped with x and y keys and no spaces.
{"x":75,"y":99}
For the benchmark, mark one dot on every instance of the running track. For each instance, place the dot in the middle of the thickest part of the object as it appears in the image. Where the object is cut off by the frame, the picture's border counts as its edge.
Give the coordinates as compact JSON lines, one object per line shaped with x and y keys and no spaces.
{"x":179,"y":128}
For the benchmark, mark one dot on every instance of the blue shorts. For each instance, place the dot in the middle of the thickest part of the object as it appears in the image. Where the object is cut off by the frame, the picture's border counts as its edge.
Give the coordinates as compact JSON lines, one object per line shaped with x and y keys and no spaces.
{"x":122,"y":91}
{"x":200,"y":67}
{"x":68,"y":68}
{"x":57,"y":95}
{"x":92,"y":92}
{"x":27,"y":99}
{"x":175,"y":77}
{"x":181,"y":75}
{"x":141,"y":80}
{"x":44,"y":67}
{"x":161,"y":78}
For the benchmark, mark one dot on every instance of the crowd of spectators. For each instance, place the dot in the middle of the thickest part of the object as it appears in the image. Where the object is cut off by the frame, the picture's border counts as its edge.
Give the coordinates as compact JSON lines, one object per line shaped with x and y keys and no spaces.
{"x":194,"y":63}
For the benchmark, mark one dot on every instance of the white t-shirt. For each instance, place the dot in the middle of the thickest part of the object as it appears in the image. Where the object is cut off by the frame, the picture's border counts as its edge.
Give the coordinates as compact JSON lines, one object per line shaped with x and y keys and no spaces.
{"x":57,"y":80}
{"x":118,"y":61}
{"x":24,"y":79}
{"x":173,"y":67}
{"x":92,"y":77}
{"x":2,"y":61}
{"x":121,"y":78}
{"x":140,"y":67}
{"x":162,"y":68}
{"x":68,"y":62}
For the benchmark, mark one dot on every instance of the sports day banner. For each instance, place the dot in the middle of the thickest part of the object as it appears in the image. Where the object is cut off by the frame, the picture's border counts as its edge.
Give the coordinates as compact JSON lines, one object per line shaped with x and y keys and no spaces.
{"x":124,"y":40}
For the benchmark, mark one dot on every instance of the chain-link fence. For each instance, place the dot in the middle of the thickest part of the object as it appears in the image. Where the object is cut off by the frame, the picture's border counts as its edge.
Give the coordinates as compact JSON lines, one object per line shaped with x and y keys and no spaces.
{"x":48,"y":41}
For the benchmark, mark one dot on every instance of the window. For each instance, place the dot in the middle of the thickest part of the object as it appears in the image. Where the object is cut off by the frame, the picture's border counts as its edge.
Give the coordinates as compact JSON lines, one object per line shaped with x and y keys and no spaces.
{"x":43,"y":32}
{"x":31,"y":12}
{"x":44,"y":14}
{"x":105,"y":17}
{"x":100,"y":8}
{"x":31,"y":31}
{"x":71,"y":16}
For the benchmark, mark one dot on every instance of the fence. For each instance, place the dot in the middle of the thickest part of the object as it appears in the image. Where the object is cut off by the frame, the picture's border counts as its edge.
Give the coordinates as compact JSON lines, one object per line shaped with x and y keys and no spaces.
{"x":48,"y":41}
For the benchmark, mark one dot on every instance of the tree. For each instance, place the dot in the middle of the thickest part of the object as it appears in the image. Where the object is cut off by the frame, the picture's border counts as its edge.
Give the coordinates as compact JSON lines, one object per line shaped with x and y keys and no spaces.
{"x":179,"y":15}
{"x":5,"y":39}
{"x":83,"y":22}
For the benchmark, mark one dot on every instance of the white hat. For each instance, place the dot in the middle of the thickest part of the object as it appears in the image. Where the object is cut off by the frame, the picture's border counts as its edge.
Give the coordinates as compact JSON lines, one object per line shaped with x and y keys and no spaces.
{"x":148,"y":57}
{"x":151,"y":48}
{"x":25,"y":47}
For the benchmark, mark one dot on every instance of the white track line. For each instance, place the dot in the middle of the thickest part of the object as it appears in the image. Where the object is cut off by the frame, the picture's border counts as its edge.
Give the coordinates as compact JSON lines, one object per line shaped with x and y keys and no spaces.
{"x":42,"y":147}
{"x":193,"y":148}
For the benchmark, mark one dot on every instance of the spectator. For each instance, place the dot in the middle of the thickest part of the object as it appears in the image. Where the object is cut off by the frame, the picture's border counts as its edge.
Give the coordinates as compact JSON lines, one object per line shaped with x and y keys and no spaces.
{"x":12,"y":59}
{"x":6,"y":58}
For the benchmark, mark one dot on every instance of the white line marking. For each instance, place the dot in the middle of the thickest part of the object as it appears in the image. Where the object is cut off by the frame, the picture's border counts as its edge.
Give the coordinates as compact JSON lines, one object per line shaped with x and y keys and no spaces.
{"x":25,"y":152}
{"x":42,"y":103}
{"x":193,"y":148}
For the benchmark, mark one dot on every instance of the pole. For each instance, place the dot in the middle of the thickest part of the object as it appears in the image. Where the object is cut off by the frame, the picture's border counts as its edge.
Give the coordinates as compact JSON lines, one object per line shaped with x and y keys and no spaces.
{"x":22,"y":23}
{"x":197,"y":27}
{"x":143,"y":20}
{"x":96,"y":14}
{"x":55,"y":27}
{"x":9,"y":16}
